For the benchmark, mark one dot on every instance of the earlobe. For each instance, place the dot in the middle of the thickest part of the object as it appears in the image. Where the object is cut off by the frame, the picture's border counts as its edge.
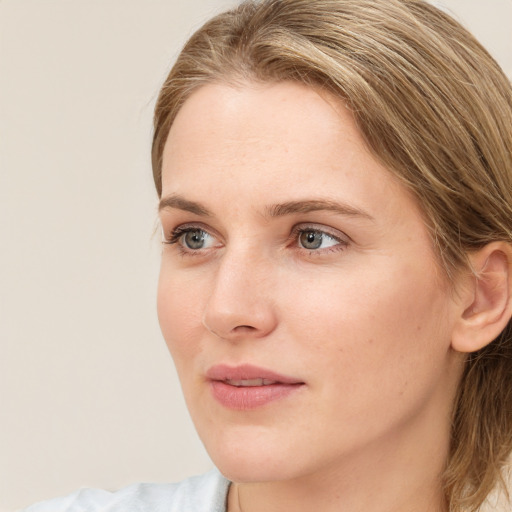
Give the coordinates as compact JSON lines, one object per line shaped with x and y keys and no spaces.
{"x":488,"y":295}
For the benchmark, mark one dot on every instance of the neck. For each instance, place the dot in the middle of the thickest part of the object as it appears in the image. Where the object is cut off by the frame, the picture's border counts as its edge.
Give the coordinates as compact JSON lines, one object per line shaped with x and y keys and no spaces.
{"x":400,"y":474}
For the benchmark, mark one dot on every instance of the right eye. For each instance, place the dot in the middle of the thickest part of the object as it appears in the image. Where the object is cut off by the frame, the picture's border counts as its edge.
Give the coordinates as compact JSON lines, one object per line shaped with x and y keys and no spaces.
{"x":194,"y":239}
{"x":191,"y":238}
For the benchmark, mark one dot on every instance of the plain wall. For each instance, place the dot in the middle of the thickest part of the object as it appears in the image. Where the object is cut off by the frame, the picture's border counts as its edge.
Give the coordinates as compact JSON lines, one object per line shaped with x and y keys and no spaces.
{"x":88,"y":394}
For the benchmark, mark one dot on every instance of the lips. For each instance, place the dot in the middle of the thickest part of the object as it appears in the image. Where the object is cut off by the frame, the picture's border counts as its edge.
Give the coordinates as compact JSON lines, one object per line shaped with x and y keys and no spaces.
{"x":248,"y":387}
{"x":242,"y":383}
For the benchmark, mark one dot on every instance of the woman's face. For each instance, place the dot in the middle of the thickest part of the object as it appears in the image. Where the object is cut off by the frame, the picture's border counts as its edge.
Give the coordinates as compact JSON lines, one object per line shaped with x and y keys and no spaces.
{"x":299,"y":293}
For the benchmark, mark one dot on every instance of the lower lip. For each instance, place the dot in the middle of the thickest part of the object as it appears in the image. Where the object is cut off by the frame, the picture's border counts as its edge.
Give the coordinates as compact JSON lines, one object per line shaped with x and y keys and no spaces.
{"x":250,"y":397}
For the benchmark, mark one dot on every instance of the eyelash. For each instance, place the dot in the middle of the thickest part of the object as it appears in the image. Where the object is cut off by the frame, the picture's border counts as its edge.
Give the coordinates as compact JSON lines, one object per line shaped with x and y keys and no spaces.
{"x":297,"y":231}
{"x":177,"y":234}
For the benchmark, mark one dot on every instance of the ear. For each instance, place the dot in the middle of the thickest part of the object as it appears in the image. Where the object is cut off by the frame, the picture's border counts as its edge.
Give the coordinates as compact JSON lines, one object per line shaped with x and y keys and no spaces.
{"x":487,"y":298}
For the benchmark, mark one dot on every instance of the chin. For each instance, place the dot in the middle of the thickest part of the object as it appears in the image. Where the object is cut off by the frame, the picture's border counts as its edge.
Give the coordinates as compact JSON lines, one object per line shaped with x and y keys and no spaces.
{"x":236,"y":469}
{"x":251,"y":456}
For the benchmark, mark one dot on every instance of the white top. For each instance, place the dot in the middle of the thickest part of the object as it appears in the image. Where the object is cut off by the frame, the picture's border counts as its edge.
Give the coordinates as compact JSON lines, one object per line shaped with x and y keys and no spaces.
{"x":206,"y":493}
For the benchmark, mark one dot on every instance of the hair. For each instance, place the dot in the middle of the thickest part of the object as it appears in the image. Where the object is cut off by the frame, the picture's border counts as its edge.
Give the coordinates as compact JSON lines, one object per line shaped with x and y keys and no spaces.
{"x":436,"y":110}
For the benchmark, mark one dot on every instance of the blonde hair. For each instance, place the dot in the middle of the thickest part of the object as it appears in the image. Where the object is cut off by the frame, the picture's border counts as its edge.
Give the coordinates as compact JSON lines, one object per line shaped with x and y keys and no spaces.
{"x":436,"y":109}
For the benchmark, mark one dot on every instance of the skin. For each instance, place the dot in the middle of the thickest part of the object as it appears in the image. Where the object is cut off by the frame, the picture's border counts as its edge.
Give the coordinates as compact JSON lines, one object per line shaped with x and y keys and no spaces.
{"x":365,"y":320}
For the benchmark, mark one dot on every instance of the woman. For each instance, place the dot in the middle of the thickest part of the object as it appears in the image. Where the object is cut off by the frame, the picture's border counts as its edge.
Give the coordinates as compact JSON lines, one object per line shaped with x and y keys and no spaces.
{"x":335,"y":183}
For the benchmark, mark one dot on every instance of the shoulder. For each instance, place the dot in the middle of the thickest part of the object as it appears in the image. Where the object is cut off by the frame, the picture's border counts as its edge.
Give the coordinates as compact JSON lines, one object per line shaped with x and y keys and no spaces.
{"x":205,"y":493}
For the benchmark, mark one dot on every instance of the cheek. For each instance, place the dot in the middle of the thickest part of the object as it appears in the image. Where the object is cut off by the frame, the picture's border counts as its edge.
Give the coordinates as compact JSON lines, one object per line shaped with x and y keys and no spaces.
{"x":179,"y":316}
{"x":374,"y":324}
{"x":376,"y":349}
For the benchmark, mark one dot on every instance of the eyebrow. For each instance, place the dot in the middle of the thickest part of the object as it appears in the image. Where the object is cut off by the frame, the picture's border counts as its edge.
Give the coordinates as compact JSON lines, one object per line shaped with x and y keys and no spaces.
{"x":180,"y":203}
{"x":276,"y":210}
{"x":315,"y":205}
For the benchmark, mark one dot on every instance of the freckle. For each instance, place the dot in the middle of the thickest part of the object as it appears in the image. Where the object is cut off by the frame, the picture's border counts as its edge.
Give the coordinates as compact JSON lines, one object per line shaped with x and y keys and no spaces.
{"x":370,"y":341}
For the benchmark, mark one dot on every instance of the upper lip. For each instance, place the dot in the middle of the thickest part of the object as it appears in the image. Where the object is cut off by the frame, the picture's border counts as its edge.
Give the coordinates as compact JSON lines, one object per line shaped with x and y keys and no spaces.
{"x":223,"y":372}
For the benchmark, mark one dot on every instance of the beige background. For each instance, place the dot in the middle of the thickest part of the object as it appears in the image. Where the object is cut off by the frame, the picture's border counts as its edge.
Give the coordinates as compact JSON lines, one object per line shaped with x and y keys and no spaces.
{"x":88,"y":395}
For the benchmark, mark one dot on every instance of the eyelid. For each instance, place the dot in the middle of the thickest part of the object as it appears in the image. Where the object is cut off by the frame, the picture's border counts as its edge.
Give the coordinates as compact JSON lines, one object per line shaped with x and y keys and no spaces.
{"x":340,"y":236}
{"x":341,"y":239}
{"x":177,"y":232}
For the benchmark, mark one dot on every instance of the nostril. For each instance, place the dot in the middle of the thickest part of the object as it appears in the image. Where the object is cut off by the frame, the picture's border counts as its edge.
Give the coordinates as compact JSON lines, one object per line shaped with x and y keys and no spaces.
{"x":244,"y":328}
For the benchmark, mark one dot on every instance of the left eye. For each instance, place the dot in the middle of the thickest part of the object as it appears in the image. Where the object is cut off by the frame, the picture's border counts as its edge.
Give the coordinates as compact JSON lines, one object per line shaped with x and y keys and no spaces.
{"x":313,"y":239}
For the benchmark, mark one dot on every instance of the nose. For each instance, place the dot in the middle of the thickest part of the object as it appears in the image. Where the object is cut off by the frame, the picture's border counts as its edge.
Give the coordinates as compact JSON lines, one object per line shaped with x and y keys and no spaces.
{"x":240,"y":306}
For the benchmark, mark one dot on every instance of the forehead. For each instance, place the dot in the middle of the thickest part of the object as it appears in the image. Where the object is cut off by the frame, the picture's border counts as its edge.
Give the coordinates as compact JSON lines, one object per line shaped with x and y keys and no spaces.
{"x":284,"y":139}
{"x":273,"y":116}
{"x":272,"y":120}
